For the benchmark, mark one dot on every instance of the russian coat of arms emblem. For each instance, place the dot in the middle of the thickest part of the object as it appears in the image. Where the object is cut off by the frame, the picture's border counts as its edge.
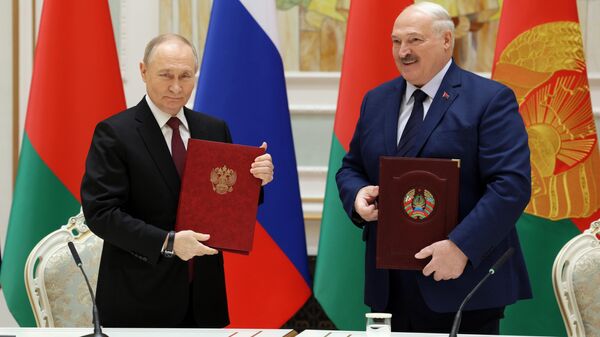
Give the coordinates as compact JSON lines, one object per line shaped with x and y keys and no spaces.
{"x":222,"y":179}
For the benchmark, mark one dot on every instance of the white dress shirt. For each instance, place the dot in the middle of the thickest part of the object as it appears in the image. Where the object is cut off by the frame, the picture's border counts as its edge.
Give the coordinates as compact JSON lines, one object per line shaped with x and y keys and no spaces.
{"x":162,"y":118}
{"x":406,"y":105}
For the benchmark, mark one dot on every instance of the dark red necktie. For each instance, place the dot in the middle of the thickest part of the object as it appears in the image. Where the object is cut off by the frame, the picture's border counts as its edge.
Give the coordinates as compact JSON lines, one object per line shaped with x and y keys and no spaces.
{"x":178,"y":153}
{"x":177,"y":147}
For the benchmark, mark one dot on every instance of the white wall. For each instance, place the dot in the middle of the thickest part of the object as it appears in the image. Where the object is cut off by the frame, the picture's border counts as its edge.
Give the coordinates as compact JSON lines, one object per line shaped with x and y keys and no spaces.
{"x":137,"y":25}
{"x":6,"y":112}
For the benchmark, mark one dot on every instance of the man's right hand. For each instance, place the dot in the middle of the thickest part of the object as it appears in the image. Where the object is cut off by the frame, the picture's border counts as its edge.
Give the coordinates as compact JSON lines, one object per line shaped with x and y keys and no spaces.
{"x":365,"y":203}
{"x":187,"y":245}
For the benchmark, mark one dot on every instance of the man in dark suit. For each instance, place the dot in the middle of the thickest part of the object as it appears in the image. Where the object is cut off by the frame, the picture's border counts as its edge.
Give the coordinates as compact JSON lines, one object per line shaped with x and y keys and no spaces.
{"x":130,"y":193}
{"x":437,"y":110}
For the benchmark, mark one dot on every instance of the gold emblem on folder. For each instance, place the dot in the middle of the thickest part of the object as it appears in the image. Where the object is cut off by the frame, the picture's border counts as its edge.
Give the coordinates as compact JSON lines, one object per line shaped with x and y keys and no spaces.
{"x":222,"y":179}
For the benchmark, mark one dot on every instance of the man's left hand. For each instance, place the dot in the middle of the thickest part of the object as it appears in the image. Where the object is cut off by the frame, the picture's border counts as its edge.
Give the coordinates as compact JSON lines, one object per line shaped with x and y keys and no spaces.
{"x":447,"y":260}
{"x":263,"y":168}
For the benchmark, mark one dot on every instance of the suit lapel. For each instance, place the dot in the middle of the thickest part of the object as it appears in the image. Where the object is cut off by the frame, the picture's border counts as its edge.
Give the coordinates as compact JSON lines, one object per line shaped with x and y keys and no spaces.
{"x":197,"y":128}
{"x":195,"y":131}
{"x":446,"y":94}
{"x":392,"y":110}
{"x":155,"y":144}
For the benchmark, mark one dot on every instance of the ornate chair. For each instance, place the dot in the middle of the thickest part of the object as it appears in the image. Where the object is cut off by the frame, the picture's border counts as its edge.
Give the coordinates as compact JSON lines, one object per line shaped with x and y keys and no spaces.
{"x":576,"y":281}
{"x":57,"y":291}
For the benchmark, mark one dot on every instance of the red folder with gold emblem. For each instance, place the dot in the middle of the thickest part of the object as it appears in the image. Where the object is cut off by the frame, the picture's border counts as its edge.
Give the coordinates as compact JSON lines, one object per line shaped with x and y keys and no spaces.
{"x":219,"y":195}
{"x":418,"y":205}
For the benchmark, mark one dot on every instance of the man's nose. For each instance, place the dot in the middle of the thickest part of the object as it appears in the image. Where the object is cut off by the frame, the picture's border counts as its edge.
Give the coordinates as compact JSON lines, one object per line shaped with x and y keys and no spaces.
{"x":175,"y":87}
{"x":403,"y":50}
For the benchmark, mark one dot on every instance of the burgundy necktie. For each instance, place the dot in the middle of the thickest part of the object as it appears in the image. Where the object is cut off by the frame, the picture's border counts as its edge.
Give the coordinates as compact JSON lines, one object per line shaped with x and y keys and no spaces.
{"x":177,"y":147}
{"x":178,"y":153}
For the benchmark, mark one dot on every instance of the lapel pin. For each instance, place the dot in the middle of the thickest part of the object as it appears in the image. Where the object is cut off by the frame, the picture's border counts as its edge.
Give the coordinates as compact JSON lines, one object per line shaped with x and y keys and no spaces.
{"x":445,"y":95}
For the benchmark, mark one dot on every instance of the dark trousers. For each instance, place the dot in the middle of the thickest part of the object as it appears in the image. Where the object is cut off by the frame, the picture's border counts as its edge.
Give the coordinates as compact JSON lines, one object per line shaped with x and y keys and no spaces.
{"x":410,"y":313}
{"x":188,"y":320}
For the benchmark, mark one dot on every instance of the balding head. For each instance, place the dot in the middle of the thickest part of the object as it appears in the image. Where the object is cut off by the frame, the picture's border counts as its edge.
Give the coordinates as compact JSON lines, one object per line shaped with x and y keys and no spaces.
{"x":168,"y":37}
{"x":169,"y":68}
{"x":441,"y":19}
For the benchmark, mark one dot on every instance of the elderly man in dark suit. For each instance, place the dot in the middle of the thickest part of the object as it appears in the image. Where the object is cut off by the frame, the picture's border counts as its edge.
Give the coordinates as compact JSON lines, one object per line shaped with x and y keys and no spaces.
{"x":437,"y":110}
{"x":130,"y":193}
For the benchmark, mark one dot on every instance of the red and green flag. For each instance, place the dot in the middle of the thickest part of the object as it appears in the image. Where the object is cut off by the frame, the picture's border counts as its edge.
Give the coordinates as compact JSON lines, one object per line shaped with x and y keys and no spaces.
{"x":539,"y":54}
{"x":76,"y":83}
{"x":368,"y":62}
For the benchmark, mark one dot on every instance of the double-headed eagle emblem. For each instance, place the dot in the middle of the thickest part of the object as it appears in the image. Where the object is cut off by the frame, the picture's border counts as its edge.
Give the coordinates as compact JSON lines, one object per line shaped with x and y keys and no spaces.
{"x":222,"y":179}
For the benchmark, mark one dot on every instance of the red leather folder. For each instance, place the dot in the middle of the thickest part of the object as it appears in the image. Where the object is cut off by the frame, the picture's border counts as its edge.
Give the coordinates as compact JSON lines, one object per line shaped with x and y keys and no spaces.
{"x":418,"y":205}
{"x":219,"y":195}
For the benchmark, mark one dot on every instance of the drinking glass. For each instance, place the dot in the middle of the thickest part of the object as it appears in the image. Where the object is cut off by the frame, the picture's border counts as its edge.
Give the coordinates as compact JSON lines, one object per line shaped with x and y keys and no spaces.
{"x":379,"y":324}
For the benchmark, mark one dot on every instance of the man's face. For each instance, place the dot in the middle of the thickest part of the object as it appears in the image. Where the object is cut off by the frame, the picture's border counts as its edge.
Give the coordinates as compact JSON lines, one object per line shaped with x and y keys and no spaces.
{"x":169,"y":75}
{"x":419,"y":51}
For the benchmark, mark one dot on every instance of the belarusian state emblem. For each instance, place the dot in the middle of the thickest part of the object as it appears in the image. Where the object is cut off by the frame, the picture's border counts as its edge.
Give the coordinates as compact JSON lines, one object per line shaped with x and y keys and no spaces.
{"x":419,"y":203}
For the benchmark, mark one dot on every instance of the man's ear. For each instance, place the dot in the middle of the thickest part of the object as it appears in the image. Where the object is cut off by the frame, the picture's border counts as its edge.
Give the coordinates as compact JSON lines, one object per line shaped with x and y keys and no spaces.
{"x":143,"y":71}
{"x":447,"y":40}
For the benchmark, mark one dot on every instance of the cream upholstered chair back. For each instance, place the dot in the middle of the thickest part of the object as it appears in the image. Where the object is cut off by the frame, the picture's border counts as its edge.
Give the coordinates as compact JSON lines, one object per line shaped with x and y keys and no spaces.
{"x":56,"y":288}
{"x":576,"y":281}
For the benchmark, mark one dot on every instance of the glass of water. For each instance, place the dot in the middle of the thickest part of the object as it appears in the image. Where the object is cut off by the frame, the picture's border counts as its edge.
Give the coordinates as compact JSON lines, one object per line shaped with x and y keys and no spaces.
{"x":379,"y":324}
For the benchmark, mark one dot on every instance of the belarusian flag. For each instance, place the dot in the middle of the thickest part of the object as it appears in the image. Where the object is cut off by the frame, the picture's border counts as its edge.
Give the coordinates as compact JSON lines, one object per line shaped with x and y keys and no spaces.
{"x":539,"y":54}
{"x":76,"y":83}
{"x":368,"y":62}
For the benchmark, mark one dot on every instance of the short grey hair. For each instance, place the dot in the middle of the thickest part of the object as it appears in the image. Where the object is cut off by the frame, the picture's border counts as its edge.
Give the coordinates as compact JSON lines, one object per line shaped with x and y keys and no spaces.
{"x":160,"y":39}
{"x":442,"y":21}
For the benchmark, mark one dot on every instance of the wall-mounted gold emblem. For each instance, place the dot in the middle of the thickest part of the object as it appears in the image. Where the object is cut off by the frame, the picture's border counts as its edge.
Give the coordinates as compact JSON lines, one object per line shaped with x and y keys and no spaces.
{"x":223,"y":179}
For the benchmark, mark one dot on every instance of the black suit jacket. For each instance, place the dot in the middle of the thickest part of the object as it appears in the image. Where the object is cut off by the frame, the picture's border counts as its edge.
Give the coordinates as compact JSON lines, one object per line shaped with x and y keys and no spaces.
{"x":129,"y":195}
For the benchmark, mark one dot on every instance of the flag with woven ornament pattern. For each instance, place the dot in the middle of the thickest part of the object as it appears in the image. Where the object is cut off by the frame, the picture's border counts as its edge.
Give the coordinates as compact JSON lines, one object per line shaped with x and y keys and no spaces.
{"x":76,"y":83}
{"x":368,"y":62}
{"x":539,"y":54}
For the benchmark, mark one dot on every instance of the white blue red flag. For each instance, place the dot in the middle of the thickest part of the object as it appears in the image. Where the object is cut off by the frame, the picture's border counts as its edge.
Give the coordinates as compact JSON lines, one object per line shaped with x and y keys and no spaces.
{"x":242,"y":81}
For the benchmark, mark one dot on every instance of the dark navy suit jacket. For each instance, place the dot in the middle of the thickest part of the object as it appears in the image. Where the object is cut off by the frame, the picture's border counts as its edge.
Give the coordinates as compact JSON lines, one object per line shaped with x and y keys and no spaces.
{"x":477,"y":122}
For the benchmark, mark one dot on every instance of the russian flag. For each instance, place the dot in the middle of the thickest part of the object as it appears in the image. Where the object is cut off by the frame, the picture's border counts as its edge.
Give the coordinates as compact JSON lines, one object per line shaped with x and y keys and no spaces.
{"x":242,"y":81}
